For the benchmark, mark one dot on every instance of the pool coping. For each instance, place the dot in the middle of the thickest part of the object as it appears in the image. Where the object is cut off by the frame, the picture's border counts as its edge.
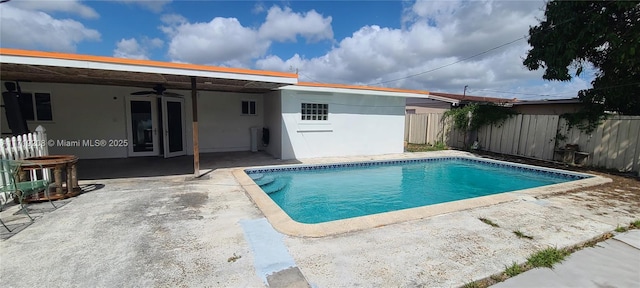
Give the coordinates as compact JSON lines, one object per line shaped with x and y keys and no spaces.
{"x":281,"y":221}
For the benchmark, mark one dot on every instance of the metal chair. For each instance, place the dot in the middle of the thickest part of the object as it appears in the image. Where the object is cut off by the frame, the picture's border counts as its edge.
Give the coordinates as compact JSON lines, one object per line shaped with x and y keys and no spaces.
{"x":10,"y":185}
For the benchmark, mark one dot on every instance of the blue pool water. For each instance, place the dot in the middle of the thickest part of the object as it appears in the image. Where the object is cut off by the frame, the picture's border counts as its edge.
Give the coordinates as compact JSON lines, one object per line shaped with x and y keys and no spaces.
{"x":321,"y":193}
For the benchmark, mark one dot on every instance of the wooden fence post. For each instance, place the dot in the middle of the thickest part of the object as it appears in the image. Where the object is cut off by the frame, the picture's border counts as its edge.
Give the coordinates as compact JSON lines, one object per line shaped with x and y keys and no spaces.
{"x":41,"y":140}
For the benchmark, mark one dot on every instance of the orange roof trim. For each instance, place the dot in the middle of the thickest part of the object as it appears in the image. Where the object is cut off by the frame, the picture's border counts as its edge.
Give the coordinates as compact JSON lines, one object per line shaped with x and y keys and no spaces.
{"x":113,"y":60}
{"x":384,"y":89}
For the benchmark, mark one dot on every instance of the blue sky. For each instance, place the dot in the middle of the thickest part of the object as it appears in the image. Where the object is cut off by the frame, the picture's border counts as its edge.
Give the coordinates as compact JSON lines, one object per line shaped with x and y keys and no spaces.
{"x":382,"y":43}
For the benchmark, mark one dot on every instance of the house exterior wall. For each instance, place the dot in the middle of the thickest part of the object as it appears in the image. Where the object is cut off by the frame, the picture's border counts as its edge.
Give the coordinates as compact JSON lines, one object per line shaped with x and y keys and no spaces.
{"x":427,"y":110}
{"x":222,"y":127}
{"x":422,"y":106}
{"x":82,"y":112}
{"x":357,"y":125}
{"x":273,"y":121}
{"x":89,"y":112}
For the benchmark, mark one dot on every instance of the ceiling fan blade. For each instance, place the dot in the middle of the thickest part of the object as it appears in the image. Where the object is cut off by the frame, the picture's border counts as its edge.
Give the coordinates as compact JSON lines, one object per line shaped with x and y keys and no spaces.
{"x":143,"y":93}
{"x":172,"y":94}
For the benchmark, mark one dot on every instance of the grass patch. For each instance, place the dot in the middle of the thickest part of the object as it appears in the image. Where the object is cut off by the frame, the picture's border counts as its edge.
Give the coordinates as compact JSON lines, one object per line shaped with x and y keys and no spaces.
{"x":425,"y":147}
{"x":547,"y":257}
{"x":621,"y":229}
{"x":522,"y":235}
{"x":635,"y":224}
{"x":513,"y":270}
{"x":497,"y":278}
{"x":472,"y":284}
{"x":488,"y":222}
{"x":544,"y":258}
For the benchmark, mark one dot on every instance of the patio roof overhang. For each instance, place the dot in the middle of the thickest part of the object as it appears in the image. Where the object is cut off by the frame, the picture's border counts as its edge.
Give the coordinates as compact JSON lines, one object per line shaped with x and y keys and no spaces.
{"x":50,"y":67}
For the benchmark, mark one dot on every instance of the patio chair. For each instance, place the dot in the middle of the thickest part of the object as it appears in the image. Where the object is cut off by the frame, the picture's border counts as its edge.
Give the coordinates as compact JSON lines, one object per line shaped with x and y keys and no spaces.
{"x":11,"y":186}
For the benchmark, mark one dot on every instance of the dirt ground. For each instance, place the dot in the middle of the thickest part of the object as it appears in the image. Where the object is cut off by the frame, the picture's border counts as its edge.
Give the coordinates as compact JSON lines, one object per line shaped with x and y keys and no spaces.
{"x":622,"y":193}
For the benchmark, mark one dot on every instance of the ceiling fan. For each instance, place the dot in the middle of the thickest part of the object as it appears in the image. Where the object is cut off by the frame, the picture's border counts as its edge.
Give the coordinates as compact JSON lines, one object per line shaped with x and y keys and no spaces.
{"x":159,"y":90}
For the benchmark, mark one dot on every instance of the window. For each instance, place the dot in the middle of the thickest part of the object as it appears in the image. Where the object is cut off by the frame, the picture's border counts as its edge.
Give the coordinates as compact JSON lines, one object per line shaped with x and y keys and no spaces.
{"x":43,"y":106}
{"x":249,"y":107}
{"x":312,"y":111}
{"x":36,"y":106}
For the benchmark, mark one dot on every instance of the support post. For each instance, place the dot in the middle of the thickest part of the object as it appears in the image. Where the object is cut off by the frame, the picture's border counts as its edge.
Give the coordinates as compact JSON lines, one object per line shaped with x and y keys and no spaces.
{"x":196,"y":148}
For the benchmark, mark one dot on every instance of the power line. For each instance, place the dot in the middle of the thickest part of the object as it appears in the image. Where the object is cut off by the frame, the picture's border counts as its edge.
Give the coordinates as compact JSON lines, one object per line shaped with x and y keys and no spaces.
{"x":509,"y":92}
{"x":312,"y":80}
{"x":453,"y":63}
{"x":556,"y":94}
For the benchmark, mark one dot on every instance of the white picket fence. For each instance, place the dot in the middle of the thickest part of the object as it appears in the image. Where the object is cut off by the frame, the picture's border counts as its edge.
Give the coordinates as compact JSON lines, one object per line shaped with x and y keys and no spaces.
{"x":21,"y":147}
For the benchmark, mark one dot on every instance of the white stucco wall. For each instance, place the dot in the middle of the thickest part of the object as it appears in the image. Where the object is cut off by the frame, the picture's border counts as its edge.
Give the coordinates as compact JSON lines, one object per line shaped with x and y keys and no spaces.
{"x":82,"y":112}
{"x":99,"y":112}
{"x":357,"y":125}
{"x":273,"y":121}
{"x":222,"y":127}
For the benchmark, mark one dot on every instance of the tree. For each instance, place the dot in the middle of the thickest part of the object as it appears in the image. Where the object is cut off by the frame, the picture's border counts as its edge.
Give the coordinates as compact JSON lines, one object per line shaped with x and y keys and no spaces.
{"x":604,"y":35}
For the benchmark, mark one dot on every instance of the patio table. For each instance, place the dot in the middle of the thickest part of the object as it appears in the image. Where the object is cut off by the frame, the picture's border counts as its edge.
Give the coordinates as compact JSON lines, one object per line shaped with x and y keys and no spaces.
{"x":59,"y":164}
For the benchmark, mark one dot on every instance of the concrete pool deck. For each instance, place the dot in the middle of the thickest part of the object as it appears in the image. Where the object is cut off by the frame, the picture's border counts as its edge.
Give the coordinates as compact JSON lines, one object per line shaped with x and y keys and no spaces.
{"x":168,"y":231}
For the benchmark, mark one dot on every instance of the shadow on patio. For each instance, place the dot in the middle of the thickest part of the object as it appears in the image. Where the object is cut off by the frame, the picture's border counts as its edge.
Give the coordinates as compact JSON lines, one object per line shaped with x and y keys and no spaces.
{"x":91,"y":169}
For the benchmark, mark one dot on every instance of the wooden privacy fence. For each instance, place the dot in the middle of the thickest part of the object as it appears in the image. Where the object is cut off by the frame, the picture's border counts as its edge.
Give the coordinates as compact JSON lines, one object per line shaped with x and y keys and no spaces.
{"x":424,"y":128}
{"x":613,"y":144}
{"x":20,"y":147}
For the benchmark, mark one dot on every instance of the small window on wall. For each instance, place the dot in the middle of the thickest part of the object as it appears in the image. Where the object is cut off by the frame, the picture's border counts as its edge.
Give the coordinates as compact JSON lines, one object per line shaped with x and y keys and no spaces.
{"x":313,"y":111}
{"x":249,"y":107}
{"x":36,"y":106}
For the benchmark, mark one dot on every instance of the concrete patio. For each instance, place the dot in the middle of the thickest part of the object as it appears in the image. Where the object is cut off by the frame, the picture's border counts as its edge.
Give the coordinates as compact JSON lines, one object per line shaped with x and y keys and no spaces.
{"x":135,"y":228}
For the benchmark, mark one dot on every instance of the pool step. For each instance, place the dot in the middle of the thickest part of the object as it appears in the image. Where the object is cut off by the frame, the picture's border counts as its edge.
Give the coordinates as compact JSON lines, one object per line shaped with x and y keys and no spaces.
{"x":265,"y":180}
{"x":256,"y":176}
{"x":274,"y":187}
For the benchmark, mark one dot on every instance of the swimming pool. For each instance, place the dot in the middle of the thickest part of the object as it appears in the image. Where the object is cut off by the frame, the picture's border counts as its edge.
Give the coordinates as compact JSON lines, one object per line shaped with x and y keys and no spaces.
{"x":321,"y":193}
{"x":325,"y":199}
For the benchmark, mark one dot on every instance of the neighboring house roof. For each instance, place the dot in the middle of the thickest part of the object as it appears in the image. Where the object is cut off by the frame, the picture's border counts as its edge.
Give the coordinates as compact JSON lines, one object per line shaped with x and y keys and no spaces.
{"x":75,"y":68}
{"x":454,"y":99}
{"x":356,"y":89}
{"x":548,"y":102}
{"x":470,"y":98}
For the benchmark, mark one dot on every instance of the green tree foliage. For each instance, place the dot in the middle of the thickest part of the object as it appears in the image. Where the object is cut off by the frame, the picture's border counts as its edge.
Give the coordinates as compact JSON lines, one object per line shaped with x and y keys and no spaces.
{"x":474,"y":116}
{"x":481,"y":115}
{"x":605,"y":35}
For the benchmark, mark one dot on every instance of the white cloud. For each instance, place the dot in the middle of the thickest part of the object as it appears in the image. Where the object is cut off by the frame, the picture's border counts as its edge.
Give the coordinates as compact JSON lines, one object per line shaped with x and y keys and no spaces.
{"x":28,"y":29}
{"x":286,"y":25}
{"x":68,"y":6}
{"x":435,"y":34}
{"x":129,"y":48}
{"x":225,"y":41}
{"x":222,"y":41}
{"x":132,"y":49}
{"x":173,"y":19}
{"x":437,"y":11}
{"x":152,"y":5}
{"x":154,"y":43}
{"x":258,"y":8}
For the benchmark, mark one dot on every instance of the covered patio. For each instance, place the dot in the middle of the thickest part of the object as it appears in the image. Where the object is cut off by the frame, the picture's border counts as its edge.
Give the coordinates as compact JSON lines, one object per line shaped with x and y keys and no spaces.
{"x":30,"y":67}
